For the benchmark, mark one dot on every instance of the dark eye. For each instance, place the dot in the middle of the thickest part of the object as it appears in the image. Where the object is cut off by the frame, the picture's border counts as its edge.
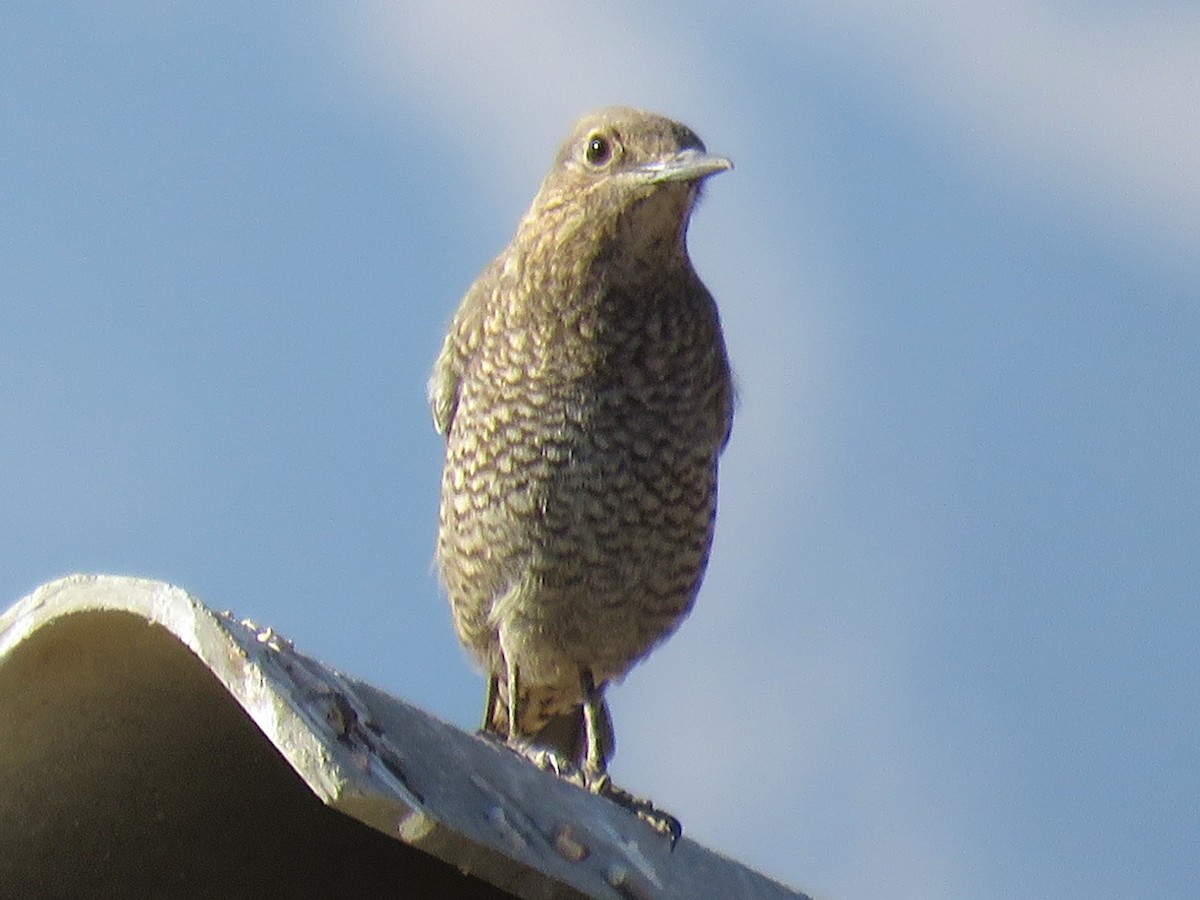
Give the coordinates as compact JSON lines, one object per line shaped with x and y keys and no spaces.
{"x":599,"y":150}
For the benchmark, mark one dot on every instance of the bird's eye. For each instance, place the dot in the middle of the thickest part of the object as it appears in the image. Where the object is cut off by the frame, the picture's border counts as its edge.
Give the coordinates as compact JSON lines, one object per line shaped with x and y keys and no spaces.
{"x":599,"y":150}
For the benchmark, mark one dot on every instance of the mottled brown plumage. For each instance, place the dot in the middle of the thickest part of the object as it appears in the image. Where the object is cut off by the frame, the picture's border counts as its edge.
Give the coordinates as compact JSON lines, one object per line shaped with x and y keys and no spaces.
{"x":585,"y":396}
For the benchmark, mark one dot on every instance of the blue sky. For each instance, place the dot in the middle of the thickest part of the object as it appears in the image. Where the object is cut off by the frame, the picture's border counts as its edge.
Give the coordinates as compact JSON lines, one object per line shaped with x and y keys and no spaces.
{"x":947,"y":646}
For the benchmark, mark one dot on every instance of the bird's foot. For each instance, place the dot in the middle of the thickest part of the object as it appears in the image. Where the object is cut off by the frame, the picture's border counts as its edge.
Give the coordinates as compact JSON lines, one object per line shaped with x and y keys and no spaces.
{"x":546,"y":759}
{"x":596,"y":782}
{"x":660,"y":820}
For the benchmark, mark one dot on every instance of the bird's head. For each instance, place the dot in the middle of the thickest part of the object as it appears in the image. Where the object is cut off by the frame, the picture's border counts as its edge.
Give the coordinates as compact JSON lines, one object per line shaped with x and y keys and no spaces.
{"x":621,"y":161}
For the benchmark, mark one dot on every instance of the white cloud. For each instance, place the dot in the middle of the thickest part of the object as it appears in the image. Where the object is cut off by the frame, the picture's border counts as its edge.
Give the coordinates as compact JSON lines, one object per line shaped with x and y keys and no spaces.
{"x":1104,"y":100}
{"x":513,"y":76}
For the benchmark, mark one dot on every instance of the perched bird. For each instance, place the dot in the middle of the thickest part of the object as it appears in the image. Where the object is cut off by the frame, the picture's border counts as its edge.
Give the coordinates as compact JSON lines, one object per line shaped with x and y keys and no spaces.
{"x":585,"y":396}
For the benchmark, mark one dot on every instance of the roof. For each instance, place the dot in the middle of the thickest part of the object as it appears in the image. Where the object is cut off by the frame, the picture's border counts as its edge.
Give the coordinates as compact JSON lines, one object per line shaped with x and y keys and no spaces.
{"x":153,"y":746}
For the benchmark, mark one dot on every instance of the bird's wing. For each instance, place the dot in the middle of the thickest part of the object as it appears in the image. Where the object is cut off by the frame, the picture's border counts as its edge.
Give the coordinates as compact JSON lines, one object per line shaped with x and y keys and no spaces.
{"x":462,"y":341}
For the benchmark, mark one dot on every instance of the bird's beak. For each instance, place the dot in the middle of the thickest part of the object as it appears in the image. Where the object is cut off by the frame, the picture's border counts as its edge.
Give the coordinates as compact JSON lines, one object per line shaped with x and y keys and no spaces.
{"x":686,"y":165}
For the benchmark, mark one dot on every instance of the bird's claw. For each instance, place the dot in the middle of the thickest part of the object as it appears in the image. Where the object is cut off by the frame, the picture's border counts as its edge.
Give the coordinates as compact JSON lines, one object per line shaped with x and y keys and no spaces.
{"x":546,"y":759}
{"x":663,"y":822}
{"x":549,"y":761}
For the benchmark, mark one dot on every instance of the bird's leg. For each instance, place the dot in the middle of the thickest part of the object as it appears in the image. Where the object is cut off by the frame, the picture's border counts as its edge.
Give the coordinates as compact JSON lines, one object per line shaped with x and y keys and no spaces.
{"x":514,"y":694}
{"x":489,"y":704}
{"x":595,"y":765}
{"x":494,"y":724}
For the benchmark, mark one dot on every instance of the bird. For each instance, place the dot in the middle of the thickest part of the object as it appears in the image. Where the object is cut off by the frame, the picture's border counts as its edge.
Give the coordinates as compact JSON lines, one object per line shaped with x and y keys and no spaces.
{"x":585,"y":396}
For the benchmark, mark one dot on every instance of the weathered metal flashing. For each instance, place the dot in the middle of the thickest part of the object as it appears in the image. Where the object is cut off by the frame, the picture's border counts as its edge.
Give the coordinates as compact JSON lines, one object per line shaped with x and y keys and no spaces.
{"x":467,"y":801}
